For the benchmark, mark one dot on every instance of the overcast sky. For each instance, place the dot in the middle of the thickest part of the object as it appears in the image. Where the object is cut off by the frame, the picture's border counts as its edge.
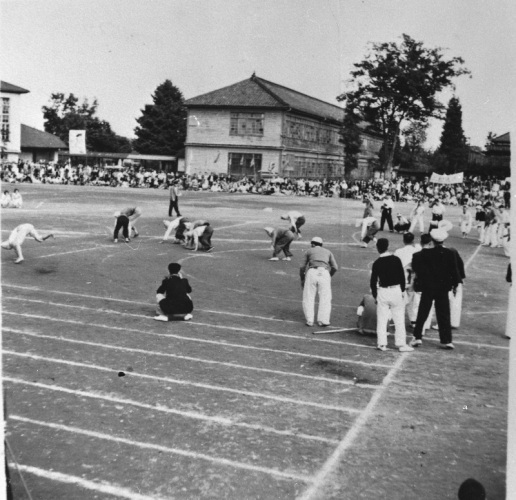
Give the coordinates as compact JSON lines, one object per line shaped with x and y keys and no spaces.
{"x":119,"y":51}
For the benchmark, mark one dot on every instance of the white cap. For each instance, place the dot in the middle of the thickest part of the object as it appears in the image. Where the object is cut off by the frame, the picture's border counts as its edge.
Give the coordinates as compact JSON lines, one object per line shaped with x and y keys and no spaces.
{"x":317,"y":240}
{"x":438,"y":235}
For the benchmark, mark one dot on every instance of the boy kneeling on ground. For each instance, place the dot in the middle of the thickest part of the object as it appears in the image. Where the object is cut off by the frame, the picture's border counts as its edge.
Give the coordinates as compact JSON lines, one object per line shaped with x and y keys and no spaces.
{"x":174,"y":301}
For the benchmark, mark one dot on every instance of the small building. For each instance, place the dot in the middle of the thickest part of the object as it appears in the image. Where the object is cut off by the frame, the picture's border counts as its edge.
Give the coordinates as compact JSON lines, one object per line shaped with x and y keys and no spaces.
{"x":257,"y":128}
{"x":10,"y":127}
{"x":37,"y":145}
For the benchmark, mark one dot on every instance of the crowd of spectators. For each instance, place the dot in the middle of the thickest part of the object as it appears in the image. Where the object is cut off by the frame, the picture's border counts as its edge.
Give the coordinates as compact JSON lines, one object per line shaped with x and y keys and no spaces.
{"x":469,"y":192}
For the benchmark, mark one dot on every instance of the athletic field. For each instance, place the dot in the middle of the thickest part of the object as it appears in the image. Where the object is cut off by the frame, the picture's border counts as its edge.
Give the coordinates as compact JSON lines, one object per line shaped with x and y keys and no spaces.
{"x":244,"y":401}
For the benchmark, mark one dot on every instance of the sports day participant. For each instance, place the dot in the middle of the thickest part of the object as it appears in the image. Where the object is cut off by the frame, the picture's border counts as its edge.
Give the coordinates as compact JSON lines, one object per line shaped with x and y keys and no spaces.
{"x":17,"y":237}
{"x":280,"y":242}
{"x":297,"y":219}
{"x":173,"y":296}
{"x":132,"y":213}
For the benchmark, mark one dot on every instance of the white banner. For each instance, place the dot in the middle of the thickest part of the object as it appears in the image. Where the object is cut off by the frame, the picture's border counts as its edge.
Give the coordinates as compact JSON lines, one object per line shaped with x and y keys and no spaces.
{"x":77,"y":142}
{"x":447,"y":179}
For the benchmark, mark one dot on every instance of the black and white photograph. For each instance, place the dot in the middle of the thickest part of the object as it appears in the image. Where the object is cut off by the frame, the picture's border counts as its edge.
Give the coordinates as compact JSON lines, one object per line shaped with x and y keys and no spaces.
{"x":315,"y":196}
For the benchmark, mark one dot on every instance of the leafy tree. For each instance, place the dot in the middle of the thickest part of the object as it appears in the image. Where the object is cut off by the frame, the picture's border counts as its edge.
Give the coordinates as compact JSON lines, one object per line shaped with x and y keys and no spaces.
{"x":453,"y":146}
{"x":400,"y":81}
{"x":351,"y":137}
{"x":65,"y":113}
{"x":162,"y":126}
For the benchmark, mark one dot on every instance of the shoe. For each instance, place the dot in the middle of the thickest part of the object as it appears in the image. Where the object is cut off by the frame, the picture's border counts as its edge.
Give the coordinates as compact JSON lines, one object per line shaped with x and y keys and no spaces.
{"x":320,"y":323}
{"x":127,"y":240}
{"x":286,"y":258}
{"x":382,"y":347}
{"x":416,"y":342}
{"x":435,"y":327}
{"x":309,"y":323}
{"x":447,"y":346}
{"x":210,"y":249}
{"x":364,"y":245}
{"x":405,"y":348}
{"x":274,"y":258}
{"x":19,"y":260}
{"x":115,"y":240}
{"x":161,"y":317}
{"x":135,"y":235}
{"x":187,"y":317}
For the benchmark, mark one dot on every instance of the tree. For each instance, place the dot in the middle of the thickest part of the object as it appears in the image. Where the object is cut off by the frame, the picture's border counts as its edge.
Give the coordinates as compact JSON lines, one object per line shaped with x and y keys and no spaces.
{"x":453,"y":146}
{"x":162,"y":126}
{"x":64,"y":113}
{"x":400,"y":81}
{"x":351,"y":137}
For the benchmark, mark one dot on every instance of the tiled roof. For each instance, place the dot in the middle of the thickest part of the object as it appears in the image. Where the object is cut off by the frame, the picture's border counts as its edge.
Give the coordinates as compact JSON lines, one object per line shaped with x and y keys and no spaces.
{"x":34,"y":138}
{"x":503,"y":138}
{"x":256,"y":92}
{"x":12,"y":89}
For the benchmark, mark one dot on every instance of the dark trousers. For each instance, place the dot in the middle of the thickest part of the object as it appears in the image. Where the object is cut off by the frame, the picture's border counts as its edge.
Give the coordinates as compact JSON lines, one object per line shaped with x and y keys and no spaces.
{"x":173,"y":206}
{"x":205,"y":238}
{"x":442,"y":311}
{"x":434,"y":223}
{"x":386,"y":216}
{"x":122,"y":222}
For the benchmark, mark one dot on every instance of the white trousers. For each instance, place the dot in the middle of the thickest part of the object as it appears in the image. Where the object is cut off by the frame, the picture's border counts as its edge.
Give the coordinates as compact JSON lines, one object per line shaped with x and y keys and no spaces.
{"x":317,"y":280}
{"x":415,"y":220}
{"x":456,"y":307}
{"x":490,"y":236}
{"x":391,"y":299}
{"x":481,"y":230}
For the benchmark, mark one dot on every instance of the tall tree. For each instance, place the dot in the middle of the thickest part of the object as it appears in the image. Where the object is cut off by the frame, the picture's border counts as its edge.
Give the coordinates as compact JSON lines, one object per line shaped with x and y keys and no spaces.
{"x":65,"y":113}
{"x":162,"y":126}
{"x":453,"y":146}
{"x":351,"y":137}
{"x":400,"y":81}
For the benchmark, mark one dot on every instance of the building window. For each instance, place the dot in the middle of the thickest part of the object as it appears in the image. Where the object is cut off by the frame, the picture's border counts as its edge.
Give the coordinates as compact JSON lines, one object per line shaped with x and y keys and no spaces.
{"x":246,"y":124}
{"x":6,"y":107}
{"x":244,"y":164}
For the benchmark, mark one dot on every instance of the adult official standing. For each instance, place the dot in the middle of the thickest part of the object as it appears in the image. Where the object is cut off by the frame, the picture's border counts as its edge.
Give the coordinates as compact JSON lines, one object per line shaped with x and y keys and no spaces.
{"x":174,"y":199}
{"x":388,"y":287}
{"x":387,"y":208}
{"x":316,"y":272}
{"x":437,"y":274}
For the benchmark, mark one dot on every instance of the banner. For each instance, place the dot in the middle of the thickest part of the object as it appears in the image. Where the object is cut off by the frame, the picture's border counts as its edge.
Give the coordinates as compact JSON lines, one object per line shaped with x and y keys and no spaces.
{"x":447,"y":179}
{"x":77,"y":142}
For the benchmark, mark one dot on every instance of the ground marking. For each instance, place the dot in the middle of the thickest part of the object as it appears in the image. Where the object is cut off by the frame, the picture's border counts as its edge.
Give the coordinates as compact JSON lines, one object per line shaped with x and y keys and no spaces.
{"x":188,"y":383}
{"x":235,"y":225}
{"x":355,"y":269}
{"x":108,"y":489}
{"x":160,"y":408}
{"x":164,"y":449}
{"x":473,"y":255}
{"x":333,"y":461}
{"x":196,"y":323}
{"x":177,"y":356}
{"x":33,"y":288}
{"x":74,"y":251}
{"x":215,"y":342}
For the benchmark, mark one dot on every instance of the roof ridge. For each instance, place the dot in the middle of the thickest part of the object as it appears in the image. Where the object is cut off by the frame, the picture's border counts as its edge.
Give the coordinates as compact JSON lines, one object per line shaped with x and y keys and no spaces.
{"x":257,"y":80}
{"x":301,"y":93}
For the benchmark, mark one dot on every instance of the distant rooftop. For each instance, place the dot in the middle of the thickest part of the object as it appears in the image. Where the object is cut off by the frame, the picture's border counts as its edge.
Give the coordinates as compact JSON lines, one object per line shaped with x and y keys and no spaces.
{"x":256,"y":92}
{"x":37,"y":139}
{"x":12,"y":89}
{"x":502,"y":138}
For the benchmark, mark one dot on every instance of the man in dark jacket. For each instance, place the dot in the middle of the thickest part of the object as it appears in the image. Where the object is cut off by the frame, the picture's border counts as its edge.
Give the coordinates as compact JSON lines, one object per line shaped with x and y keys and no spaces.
{"x":173,"y":296}
{"x":437,"y":272}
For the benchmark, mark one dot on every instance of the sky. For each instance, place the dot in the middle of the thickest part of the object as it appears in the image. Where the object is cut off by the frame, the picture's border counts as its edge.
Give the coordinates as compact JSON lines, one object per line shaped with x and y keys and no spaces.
{"x":119,"y":51}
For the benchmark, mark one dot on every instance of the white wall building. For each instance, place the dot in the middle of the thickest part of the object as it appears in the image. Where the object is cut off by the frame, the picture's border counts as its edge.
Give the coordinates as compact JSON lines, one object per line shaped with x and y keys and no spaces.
{"x":10,"y":126}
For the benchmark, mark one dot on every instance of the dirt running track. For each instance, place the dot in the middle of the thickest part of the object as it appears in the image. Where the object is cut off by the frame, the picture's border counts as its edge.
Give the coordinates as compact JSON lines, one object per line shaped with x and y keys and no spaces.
{"x":243,"y":402}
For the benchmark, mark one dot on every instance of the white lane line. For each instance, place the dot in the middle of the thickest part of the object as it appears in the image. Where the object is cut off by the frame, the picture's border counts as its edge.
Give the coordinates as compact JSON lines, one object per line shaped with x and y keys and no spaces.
{"x":473,"y":255}
{"x":205,"y":341}
{"x":208,"y":387}
{"x":332,"y":463}
{"x":74,"y":251}
{"x":195,"y":323}
{"x":105,"y":488}
{"x":500,"y":311}
{"x":355,"y":269}
{"x":165,"y":409}
{"x":177,"y":356}
{"x":99,"y":297}
{"x":165,"y":449}
{"x":473,"y":344}
{"x":235,"y":225}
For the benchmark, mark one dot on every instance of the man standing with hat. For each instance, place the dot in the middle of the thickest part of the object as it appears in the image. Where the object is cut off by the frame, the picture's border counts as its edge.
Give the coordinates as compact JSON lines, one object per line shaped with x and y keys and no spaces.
{"x":316,"y":272}
{"x":437,"y":273}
